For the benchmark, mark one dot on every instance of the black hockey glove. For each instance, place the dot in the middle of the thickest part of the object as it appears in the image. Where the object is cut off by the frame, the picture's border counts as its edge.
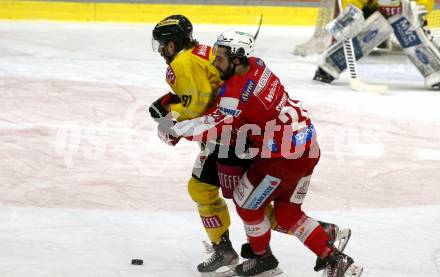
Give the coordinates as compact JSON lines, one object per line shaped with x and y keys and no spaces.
{"x":160,"y":107}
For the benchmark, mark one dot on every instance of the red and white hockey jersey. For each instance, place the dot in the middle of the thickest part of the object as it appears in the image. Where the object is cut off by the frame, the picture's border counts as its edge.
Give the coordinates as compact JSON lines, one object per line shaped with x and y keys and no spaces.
{"x":259,"y":111}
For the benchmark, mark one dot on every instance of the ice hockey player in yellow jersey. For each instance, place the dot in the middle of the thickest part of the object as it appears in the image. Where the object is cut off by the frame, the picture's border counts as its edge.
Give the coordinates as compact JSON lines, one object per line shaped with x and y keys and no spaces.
{"x":195,"y":82}
{"x":190,"y":74}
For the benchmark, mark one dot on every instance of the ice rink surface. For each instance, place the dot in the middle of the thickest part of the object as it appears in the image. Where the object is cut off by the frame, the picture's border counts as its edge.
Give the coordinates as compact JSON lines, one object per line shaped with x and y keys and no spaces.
{"x":86,"y":185}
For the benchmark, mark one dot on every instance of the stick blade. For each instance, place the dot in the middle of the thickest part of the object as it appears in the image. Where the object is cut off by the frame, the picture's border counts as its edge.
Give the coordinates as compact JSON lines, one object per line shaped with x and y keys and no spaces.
{"x":357,"y":85}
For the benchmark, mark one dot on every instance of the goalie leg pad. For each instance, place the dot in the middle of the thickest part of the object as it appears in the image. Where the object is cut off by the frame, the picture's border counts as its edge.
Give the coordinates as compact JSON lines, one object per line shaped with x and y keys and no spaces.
{"x":375,"y":31}
{"x":422,"y":52}
{"x":212,"y":209}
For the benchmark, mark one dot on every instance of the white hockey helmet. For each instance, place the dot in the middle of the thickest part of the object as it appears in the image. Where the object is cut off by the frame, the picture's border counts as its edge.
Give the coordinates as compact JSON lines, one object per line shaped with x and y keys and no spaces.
{"x":240,"y":44}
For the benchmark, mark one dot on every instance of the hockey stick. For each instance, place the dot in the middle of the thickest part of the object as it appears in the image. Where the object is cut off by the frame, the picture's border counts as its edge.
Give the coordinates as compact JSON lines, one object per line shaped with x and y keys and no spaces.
{"x":350,"y":58}
{"x":355,"y":83}
{"x":259,"y":26}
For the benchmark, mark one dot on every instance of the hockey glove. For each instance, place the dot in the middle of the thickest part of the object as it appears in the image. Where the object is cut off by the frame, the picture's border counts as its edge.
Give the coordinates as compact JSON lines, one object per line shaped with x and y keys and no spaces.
{"x":160,"y":107}
{"x":414,"y":13}
{"x":167,"y":138}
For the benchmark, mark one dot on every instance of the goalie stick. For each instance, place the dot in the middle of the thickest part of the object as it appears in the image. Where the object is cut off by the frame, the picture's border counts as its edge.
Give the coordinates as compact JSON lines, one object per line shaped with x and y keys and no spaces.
{"x":355,"y":83}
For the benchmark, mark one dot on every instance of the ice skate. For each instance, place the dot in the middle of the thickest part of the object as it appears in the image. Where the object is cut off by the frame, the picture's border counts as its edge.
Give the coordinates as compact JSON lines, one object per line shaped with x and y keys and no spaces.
{"x":222,"y":261}
{"x":322,"y":76}
{"x":338,"y":237}
{"x":262,"y":266}
{"x":338,"y":264}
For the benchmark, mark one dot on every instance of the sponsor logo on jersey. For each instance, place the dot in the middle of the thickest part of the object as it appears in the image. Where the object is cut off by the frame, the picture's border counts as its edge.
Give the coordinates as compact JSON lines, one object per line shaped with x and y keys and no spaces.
{"x":260,"y":62}
{"x":278,"y":228}
{"x":404,"y":34}
{"x":305,"y":229}
{"x":228,"y":181}
{"x":303,"y":136}
{"x":242,"y":191}
{"x":229,"y":105}
{"x":256,"y":230}
{"x":272,"y":145}
{"x":267,"y":96}
{"x":422,"y":57}
{"x":273,"y":88}
{"x":171,"y":77}
{"x":211,"y":221}
{"x":370,"y":35}
{"x":221,"y":90}
{"x":300,"y":191}
{"x":262,"y":192}
{"x":252,"y":229}
{"x":247,"y":91}
{"x":262,"y":82}
{"x":280,"y":105}
{"x":232,"y":112}
{"x":300,"y":231}
{"x":202,"y":51}
{"x":390,"y":10}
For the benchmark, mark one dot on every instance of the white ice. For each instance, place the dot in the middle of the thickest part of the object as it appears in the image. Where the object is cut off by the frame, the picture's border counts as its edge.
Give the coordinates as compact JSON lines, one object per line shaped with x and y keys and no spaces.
{"x":86,"y":185}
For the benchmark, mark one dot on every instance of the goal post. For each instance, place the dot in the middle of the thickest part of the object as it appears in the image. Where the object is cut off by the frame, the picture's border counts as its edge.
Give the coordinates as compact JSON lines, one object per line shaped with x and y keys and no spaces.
{"x":433,"y":19}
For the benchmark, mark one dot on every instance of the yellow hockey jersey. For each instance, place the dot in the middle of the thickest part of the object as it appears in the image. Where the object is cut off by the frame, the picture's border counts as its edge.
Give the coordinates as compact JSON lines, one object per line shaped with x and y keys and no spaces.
{"x":194,"y":79}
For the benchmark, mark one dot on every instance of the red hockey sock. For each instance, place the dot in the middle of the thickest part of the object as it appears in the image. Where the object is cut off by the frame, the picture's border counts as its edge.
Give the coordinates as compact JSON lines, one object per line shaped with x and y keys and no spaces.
{"x":258,"y":235}
{"x":311,"y":233}
{"x":318,"y":242}
{"x":260,"y":244}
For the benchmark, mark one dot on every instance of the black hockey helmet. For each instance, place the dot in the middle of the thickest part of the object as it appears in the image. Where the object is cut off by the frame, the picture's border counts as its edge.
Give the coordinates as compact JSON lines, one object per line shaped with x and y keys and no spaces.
{"x":176,"y":28}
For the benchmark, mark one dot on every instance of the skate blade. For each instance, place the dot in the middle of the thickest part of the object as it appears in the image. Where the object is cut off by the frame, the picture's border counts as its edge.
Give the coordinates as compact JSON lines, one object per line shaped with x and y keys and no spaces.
{"x":224,"y":271}
{"x":354,"y":271}
{"x":227,"y":273}
{"x":273,"y":272}
{"x":342,"y":238}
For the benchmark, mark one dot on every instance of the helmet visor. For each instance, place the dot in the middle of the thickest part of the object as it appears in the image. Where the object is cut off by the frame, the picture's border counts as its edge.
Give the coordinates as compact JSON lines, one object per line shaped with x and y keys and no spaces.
{"x":215,"y":49}
{"x":157,"y":44}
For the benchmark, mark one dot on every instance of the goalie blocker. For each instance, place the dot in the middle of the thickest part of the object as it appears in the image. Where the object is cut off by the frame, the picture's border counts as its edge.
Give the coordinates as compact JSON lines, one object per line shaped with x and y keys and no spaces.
{"x":416,"y":44}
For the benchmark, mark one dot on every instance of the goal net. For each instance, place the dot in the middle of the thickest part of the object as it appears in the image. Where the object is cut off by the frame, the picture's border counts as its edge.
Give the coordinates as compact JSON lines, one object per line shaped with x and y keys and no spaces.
{"x":434,"y":23}
{"x":321,"y":38}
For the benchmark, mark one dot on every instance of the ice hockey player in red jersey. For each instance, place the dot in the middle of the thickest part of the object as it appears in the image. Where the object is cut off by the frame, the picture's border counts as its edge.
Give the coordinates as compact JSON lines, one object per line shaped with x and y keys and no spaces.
{"x":282,"y":141}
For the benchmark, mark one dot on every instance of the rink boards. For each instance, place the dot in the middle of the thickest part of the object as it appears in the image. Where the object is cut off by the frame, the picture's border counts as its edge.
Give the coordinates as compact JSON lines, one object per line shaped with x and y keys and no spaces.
{"x":301,"y":14}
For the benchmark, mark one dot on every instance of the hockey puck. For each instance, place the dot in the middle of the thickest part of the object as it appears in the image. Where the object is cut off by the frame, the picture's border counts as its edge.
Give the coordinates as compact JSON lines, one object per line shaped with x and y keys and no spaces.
{"x":137,"y":262}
